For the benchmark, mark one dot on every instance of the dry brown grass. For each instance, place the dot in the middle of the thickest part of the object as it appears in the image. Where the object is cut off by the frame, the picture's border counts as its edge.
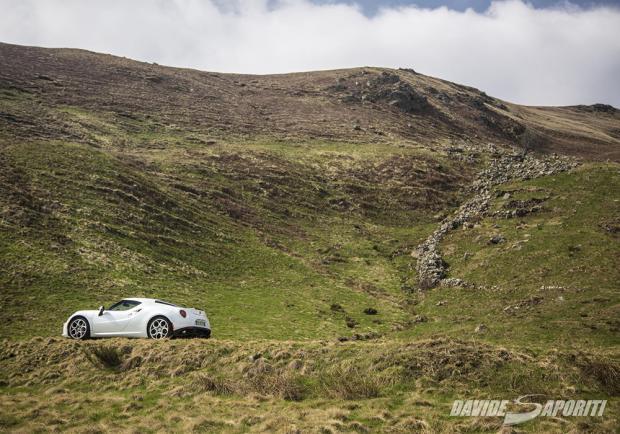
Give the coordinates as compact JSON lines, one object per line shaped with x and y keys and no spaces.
{"x":346,"y":381}
{"x":216,"y":384}
{"x":601,"y":368}
{"x":270,"y":386}
{"x":281,"y":384}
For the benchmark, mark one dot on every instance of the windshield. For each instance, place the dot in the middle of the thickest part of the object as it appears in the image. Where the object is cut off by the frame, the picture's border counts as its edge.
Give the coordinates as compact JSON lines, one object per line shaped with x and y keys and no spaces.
{"x":124,"y":305}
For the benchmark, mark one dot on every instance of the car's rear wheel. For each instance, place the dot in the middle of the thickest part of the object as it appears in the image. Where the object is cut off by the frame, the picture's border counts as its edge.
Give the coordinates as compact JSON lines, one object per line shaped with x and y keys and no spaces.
{"x":159,"y":328}
{"x":78,"y":328}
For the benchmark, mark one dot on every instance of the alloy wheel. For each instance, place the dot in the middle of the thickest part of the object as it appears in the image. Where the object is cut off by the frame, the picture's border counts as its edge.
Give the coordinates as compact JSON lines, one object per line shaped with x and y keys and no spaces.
{"x":78,"y":328}
{"x":159,"y":328}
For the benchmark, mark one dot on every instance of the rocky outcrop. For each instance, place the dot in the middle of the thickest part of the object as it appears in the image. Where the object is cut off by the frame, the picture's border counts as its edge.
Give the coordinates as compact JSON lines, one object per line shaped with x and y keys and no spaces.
{"x":600,"y":108}
{"x":396,"y":94}
{"x":504,"y":167}
{"x":383,"y":88}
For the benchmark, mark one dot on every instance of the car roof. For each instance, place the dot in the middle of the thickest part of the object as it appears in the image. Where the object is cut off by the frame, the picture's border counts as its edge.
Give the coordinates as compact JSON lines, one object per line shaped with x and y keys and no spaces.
{"x":142,"y":300}
{"x":148,"y":300}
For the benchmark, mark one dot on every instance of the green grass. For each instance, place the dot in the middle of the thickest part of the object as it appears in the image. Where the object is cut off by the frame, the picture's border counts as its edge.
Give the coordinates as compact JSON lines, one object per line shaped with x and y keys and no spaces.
{"x":563,"y":245}
{"x":266,"y":252}
{"x":240,"y":234}
{"x":558,"y":266}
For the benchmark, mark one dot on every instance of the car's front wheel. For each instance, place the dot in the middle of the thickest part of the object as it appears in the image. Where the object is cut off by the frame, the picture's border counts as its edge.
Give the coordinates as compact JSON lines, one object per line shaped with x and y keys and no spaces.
{"x":159,"y":328}
{"x":78,"y":328}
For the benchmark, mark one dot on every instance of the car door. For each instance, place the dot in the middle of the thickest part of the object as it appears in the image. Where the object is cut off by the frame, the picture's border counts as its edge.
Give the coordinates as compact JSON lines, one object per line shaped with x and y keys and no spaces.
{"x":136,"y":321}
{"x":114,"y":321}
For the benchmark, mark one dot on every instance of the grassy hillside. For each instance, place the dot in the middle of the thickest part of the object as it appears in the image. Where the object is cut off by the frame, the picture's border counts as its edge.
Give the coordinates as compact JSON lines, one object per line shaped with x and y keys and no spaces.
{"x":552,"y":282}
{"x":276,"y":234}
{"x":289,"y":208}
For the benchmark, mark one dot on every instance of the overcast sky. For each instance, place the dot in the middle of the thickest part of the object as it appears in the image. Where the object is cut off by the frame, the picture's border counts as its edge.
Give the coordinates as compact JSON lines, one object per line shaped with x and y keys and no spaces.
{"x":541,"y":53}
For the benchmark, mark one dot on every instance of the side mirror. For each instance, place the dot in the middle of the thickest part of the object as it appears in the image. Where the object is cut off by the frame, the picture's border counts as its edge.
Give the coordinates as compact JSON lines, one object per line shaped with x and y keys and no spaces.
{"x":101,"y":309}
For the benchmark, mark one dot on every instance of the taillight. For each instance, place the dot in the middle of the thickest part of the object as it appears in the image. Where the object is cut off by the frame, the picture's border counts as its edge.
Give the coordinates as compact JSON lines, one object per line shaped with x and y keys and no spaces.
{"x":183,"y":313}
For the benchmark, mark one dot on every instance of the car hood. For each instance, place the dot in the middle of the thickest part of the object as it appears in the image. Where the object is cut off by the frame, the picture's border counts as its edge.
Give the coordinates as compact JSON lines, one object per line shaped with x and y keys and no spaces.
{"x":86,"y":313}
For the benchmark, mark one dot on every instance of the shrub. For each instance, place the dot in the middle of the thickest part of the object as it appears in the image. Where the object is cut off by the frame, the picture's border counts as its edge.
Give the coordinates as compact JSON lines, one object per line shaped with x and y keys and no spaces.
{"x":335,"y":307}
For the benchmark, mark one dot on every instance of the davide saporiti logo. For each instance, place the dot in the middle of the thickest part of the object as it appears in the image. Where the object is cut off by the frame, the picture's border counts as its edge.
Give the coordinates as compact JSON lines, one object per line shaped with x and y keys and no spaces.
{"x":531,"y":410}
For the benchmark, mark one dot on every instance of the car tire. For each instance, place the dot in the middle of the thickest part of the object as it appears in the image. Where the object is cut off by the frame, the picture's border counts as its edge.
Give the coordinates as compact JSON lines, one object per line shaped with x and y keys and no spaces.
{"x":159,"y":327}
{"x":205,"y":335}
{"x":78,"y":328}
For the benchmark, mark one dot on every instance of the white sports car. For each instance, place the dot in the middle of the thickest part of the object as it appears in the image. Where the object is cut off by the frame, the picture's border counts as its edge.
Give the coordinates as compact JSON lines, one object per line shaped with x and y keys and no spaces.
{"x":138,"y":317}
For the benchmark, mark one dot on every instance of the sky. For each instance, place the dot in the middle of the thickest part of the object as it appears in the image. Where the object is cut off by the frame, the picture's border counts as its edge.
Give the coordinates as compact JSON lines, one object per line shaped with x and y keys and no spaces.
{"x":541,"y":52}
{"x":370,"y":7}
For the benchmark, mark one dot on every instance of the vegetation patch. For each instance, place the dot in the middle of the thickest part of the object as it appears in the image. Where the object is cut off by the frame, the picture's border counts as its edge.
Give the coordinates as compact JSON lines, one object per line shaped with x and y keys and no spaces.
{"x":272,"y":385}
{"x":106,"y":357}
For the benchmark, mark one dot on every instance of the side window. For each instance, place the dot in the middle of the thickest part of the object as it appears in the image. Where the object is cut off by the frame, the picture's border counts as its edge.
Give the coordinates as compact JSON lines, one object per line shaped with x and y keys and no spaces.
{"x":124,"y":305}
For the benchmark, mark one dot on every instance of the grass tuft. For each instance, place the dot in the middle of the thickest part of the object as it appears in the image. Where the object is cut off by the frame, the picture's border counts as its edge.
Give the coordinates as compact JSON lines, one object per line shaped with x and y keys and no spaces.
{"x":350,"y":382}
{"x":104,"y":357}
{"x":280,"y":383}
{"x":217,"y":384}
{"x":603,"y":370}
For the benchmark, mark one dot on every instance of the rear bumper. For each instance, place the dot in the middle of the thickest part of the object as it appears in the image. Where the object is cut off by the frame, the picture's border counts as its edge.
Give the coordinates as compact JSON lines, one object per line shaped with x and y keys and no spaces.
{"x":187,"y":332}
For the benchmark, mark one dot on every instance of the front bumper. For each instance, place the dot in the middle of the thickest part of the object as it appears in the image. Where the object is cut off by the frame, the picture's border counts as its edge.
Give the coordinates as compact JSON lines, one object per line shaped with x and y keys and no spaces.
{"x":192,"y":331}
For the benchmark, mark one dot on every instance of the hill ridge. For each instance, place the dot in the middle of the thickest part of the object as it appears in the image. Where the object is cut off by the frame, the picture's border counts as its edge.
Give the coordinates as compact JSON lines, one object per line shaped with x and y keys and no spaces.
{"x":361,"y":104}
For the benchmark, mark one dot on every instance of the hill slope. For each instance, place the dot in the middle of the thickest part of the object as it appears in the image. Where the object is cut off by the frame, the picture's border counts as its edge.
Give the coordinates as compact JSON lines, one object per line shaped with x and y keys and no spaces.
{"x":361,"y":105}
{"x":295,"y":208}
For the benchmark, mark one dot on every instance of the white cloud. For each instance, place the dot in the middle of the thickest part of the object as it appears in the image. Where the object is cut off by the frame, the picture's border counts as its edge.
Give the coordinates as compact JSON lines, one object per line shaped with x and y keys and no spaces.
{"x":558,"y":56}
